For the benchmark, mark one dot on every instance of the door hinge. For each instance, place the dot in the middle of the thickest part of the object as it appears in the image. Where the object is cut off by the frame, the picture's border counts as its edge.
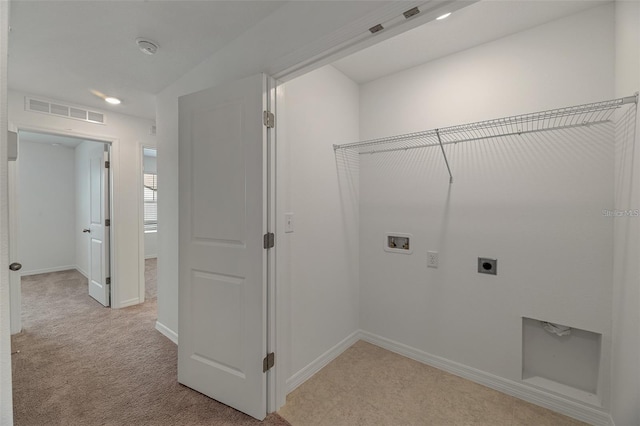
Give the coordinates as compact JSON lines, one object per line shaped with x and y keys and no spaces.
{"x":107,"y":164}
{"x":269,"y":119}
{"x":268,"y":362}
{"x":108,"y":280}
{"x":107,"y":222}
{"x":269,"y":240}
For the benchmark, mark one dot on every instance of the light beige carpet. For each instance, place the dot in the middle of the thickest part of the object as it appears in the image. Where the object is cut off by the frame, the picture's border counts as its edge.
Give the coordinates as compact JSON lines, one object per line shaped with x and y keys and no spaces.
{"x":368,"y":385}
{"x":83,"y":364}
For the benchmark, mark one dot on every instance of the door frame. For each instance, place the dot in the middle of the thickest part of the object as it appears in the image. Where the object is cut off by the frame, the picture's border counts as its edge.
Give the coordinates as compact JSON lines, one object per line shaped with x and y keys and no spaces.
{"x":16,"y":308}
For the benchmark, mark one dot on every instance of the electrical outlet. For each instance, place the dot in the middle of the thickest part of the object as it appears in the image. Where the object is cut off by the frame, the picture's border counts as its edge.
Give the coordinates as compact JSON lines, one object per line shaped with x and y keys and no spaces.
{"x":432,"y":259}
{"x":288,"y":223}
{"x":487,"y":265}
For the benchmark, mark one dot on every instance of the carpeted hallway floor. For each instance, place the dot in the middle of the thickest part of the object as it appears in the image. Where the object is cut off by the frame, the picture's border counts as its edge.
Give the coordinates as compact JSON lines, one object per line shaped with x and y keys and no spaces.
{"x":82,"y":364}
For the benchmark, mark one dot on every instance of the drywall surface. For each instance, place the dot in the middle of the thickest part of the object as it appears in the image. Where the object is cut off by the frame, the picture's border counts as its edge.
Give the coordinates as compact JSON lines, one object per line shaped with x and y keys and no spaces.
{"x":533,"y":202}
{"x":322,"y":195}
{"x":6,"y":398}
{"x":127,"y":133}
{"x":46,"y":207}
{"x":625,"y":391}
{"x":150,"y":244}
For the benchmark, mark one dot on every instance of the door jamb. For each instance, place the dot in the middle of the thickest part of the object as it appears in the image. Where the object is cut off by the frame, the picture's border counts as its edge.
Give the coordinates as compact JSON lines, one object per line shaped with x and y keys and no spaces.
{"x":16,"y":308}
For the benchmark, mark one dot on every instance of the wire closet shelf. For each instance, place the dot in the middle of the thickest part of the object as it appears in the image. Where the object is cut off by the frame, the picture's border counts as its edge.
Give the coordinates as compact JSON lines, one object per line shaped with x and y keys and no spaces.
{"x":554,"y":119}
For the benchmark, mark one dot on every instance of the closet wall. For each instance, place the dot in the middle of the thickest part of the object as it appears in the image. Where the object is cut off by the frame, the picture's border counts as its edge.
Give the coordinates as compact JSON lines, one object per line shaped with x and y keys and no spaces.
{"x":323,"y":261}
{"x":46,"y":212}
{"x":533,"y":202}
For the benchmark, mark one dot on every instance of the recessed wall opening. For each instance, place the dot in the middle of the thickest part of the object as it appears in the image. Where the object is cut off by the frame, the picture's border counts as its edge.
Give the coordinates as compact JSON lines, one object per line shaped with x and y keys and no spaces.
{"x":473,"y":160}
{"x":561,"y":359}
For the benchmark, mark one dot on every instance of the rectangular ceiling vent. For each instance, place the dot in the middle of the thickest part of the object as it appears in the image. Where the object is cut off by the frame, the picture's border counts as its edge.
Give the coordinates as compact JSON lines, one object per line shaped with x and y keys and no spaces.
{"x":61,"y":110}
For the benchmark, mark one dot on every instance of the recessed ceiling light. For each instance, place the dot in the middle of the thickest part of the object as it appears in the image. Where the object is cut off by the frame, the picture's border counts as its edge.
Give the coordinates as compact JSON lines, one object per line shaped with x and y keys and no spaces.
{"x":113,"y":101}
{"x":445,"y":16}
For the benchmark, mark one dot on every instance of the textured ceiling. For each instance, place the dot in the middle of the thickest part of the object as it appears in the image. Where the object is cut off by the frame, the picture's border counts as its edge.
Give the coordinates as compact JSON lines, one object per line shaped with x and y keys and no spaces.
{"x":67,"y":49}
{"x":71,"y":50}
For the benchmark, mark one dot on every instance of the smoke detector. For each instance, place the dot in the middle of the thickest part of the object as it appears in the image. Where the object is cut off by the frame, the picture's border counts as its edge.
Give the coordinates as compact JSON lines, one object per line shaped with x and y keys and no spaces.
{"x":147,"y":46}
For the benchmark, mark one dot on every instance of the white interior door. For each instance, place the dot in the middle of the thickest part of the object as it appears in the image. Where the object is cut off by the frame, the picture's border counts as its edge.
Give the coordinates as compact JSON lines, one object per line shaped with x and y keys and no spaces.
{"x":99,"y":279}
{"x":15,"y":288}
{"x":223,"y":268}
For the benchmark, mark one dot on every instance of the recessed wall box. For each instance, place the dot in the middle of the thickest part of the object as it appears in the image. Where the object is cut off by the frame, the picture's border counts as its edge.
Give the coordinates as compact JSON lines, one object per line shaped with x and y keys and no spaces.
{"x":487,"y":265}
{"x":398,"y":243}
{"x":568,"y":364}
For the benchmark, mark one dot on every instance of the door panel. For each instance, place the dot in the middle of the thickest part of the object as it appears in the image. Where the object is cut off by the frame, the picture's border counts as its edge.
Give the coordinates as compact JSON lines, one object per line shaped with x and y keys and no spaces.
{"x":224,"y":162}
{"x":99,"y":232}
{"x":222,"y":306}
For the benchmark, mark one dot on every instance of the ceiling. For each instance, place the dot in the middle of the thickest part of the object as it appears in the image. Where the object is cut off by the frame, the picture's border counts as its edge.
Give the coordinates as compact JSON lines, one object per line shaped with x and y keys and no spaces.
{"x":71,"y":50}
{"x":67,"y":49}
{"x":47,"y":139}
{"x":468,"y":27}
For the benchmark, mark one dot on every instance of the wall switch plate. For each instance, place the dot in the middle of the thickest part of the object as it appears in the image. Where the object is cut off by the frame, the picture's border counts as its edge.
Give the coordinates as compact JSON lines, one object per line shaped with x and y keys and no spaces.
{"x":487,"y":265}
{"x":432,"y":259}
{"x":288,"y":223}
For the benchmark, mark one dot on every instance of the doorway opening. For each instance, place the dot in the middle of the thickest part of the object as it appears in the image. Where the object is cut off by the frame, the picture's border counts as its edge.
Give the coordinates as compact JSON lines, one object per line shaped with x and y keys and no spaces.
{"x":149,"y":222}
{"x":60,"y":215}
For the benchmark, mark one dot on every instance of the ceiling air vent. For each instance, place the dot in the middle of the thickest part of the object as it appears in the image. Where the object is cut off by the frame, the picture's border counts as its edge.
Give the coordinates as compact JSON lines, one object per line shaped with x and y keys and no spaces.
{"x":38,"y":106}
{"x":61,"y":110}
{"x":95,"y":117}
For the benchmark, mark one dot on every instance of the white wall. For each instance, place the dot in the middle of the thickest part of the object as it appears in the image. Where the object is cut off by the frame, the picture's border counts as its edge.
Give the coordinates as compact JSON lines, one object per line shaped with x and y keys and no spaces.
{"x":150,"y":244}
{"x":533,"y":202}
{"x":322,"y":194}
{"x":127,"y":134}
{"x":625,"y":392}
{"x":46,"y":194}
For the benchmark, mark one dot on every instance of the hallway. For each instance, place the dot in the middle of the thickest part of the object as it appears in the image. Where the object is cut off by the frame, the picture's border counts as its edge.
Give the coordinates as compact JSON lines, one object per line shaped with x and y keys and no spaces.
{"x":80,"y":363}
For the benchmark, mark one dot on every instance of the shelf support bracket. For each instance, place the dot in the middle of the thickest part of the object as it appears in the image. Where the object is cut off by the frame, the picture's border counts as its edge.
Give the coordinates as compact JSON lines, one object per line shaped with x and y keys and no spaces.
{"x":445,"y":156}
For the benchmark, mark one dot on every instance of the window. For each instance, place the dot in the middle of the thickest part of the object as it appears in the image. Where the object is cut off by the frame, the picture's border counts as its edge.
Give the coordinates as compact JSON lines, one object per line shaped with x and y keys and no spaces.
{"x":150,"y":201}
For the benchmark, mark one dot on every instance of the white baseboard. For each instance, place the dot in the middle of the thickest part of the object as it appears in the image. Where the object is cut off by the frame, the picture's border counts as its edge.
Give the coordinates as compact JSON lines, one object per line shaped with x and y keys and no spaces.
{"x":130,"y":302}
{"x":167,"y":332}
{"x":558,"y":403}
{"x":47,"y":270}
{"x":82,"y":271}
{"x":317,"y":364}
